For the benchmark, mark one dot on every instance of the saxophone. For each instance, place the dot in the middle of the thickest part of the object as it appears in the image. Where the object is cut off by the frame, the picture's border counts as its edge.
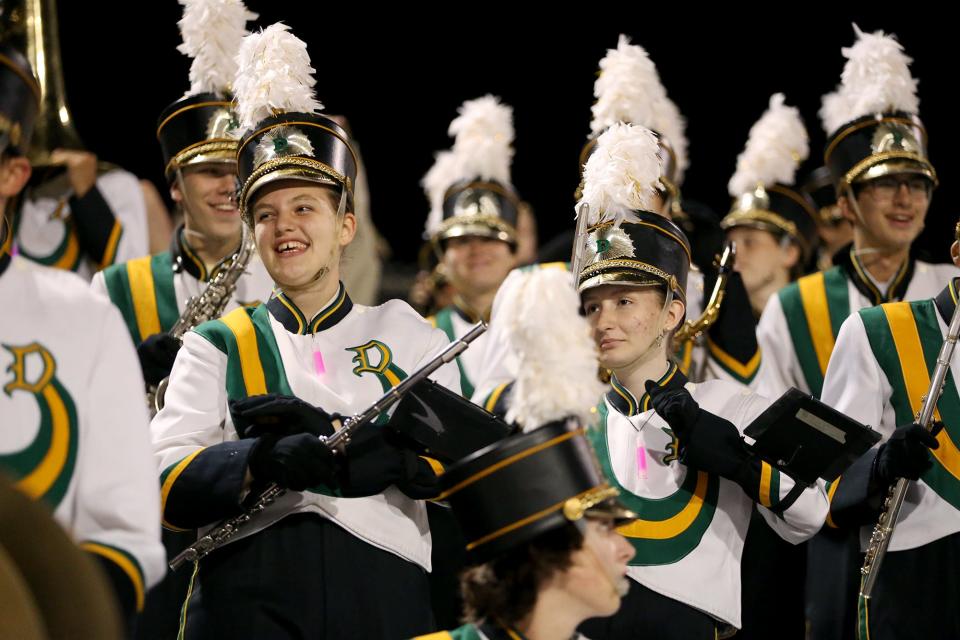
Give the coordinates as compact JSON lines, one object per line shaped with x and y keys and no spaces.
{"x":209,"y":303}
{"x":883,"y":530}
{"x":693,"y":329}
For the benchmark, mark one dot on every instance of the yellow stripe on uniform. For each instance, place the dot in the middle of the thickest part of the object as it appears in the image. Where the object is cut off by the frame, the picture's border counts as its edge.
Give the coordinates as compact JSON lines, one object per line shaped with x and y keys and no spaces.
{"x":124,"y":563}
{"x":41,"y":478}
{"x":492,"y":399}
{"x":813,"y":296}
{"x":671,"y":527}
{"x":110,"y":251}
{"x":140,"y":276}
{"x":71,"y":253}
{"x":744,"y":370}
{"x":238,"y":321}
{"x":168,"y":485}
{"x":832,"y":490}
{"x":913,"y":365}
{"x":766,"y":474}
{"x":391,"y":377}
{"x":439,"y":635}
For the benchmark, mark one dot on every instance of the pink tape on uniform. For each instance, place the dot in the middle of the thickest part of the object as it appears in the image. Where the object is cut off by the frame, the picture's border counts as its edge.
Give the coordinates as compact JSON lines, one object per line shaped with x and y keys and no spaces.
{"x":318,"y":363}
{"x":642,"y":461}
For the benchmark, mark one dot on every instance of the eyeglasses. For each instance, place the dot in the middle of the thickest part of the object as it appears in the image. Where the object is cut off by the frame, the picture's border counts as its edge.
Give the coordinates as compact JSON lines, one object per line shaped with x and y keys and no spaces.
{"x":885,"y":187}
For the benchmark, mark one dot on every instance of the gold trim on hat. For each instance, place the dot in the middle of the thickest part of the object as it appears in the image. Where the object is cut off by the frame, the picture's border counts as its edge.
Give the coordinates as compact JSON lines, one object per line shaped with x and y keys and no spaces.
{"x":526,"y":453}
{"x":522,"y":522}
{"x":221,"y":149}
{"x":295,"y":167}
{"x":597,"y":268}
{"x":858,"y":172}
{"x":488,"y":226}
{"x":575,"y":508}
{"x":830,"y":214}
{"x":873,"y":122}
{"x":189,"y":107}
{"x":740,"y":217}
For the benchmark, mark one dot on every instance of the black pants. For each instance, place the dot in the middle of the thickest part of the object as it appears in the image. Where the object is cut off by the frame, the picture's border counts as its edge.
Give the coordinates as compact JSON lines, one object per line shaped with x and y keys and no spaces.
{"x":449,"y":555}
{"x":772,"y":582}
{"x":305,"y":577}
{"x":917,"y":594}
{"x":647,"y":614}
{"x":833,"y":581}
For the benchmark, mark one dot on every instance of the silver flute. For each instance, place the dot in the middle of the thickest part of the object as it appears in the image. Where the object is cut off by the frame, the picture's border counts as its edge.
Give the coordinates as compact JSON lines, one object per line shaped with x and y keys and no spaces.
{"x":221,"y":533}
{"x":883,"y":530}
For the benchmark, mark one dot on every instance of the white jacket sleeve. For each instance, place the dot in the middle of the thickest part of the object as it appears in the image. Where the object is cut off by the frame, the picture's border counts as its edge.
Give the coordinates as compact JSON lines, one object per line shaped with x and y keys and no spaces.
{"x":779,"y":366}
{"x":202,"y":465}
{"x":118,"y":502}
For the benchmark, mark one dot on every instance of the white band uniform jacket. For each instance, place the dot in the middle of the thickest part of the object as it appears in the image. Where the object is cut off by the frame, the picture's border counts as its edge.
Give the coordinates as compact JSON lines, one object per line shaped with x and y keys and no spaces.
{"x":152,"y":291}
{"x":75,"y":428}
{"x":878,"y":376}
{"x":689,"y":538}
{"x":800,"y":324}
{"x":363,"y":351}
{"x":112,"y":218}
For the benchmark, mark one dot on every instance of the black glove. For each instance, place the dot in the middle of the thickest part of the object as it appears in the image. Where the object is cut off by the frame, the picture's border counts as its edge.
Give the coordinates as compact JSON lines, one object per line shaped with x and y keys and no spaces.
{"x":294,"y":462}
{"x":905,"y":454}
{"x":279,"y":415}
{"x":375,"y":460}
{"x":157,"y":354}
{"x":707,"y":442}
{"x":424,"y":484}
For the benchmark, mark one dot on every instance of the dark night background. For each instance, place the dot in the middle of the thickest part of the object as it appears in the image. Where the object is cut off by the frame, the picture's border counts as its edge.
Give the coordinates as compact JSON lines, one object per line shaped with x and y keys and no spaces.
{"x":399,"y":73}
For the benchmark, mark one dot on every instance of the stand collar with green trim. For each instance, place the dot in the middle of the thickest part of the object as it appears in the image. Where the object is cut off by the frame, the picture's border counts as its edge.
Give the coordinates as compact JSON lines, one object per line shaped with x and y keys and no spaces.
{"x":185,"y":258}
{"x":289,"y":315}
{"x":621,"y":399}
{"x":847,"y":260}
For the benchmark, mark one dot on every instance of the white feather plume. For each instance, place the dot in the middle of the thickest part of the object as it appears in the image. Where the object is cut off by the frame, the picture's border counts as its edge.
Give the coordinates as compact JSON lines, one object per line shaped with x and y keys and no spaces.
{"x":557,"y":356}
{"x":444,"y":172}
{"x":876,"y":79}
{"x":212,"y":31}
{"x":670,"y":123}
{"x":777,"y":145}
{"x":483,"y":141}
{"x":628,"y":88}
{"x":274,"y":75}
{"x":622,"y":174}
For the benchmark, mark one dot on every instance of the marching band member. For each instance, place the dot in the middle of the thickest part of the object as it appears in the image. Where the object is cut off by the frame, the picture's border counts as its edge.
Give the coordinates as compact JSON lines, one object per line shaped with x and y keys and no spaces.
{"x":303,"y":566}
{"x":75,"y":428}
